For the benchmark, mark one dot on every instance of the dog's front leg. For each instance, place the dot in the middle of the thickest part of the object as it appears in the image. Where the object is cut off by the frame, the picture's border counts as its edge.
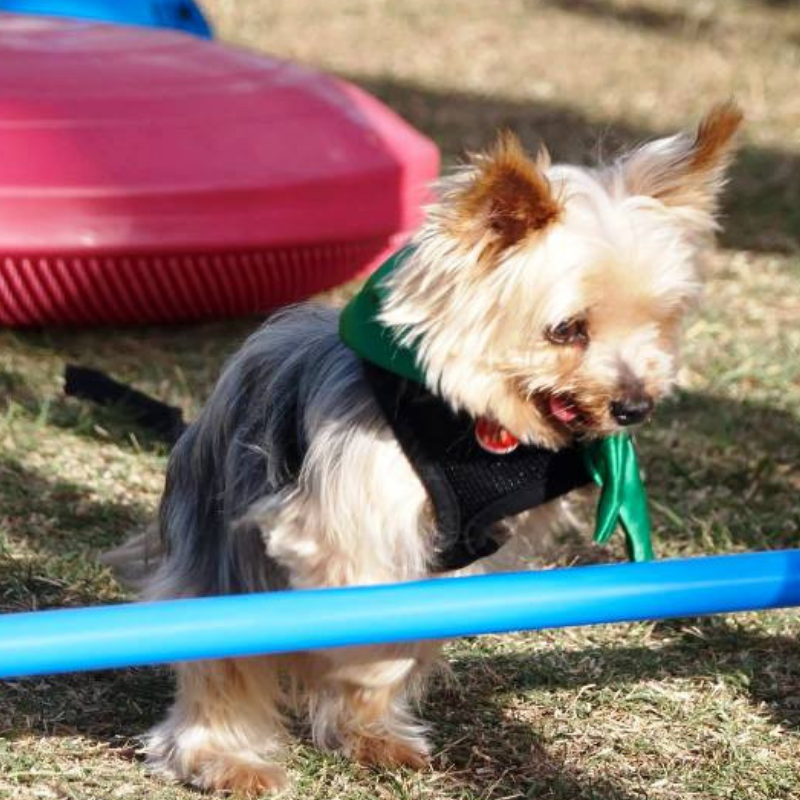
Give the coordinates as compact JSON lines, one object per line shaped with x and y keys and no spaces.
{"x":224,"y":729}
{"x":358,"y":698}
{"x":360,"y":702}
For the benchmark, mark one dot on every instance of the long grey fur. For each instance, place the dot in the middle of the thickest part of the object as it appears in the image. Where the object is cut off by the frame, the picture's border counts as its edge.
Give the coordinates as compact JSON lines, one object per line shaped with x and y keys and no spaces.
{"x":247,"y":444}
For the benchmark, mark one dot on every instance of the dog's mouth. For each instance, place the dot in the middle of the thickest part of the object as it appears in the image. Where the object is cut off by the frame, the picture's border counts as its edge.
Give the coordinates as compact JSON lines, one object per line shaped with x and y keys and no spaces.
{"x":563,"y":409}
{"x":563,"y":412}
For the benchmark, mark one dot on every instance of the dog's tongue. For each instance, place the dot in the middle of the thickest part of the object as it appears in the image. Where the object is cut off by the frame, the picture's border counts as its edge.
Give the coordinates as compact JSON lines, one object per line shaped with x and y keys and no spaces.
{"x":562,"y":409}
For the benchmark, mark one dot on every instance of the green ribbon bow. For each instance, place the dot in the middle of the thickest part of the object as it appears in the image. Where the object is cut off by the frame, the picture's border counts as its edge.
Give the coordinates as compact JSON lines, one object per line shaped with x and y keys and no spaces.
{"x":614,"y":467}
{"x":611,"y":462}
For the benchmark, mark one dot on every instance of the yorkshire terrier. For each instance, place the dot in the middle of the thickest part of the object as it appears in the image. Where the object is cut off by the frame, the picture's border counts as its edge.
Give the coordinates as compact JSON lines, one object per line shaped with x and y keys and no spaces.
{"x":540,"y":304}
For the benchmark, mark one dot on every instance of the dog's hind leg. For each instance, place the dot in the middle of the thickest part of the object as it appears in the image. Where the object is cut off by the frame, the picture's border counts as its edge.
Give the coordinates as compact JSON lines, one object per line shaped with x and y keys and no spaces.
{"x":224,"y":729}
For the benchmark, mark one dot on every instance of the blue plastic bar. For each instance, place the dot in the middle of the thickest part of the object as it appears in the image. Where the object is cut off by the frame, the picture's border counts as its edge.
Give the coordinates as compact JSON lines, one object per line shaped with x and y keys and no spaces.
{"x":153,"y":633}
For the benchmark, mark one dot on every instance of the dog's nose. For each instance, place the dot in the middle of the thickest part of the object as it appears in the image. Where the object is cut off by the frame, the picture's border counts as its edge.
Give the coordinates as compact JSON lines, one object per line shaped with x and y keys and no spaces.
{"x":631,"y":410}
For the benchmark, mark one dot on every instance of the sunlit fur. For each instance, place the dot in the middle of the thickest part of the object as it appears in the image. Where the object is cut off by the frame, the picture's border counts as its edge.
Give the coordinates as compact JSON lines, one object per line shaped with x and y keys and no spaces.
{"x":624,"y":260}
{"x":512,"y":247}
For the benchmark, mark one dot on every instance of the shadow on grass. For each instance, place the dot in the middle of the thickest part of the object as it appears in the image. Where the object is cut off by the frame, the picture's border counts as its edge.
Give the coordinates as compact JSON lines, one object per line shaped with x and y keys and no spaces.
{"x":113,"y":706}
{"x":526,"y":767}
{"x":639,"y":15}
{"x":188,"y":356}
{"x":761,"y":210}
{"x":53,"y":534}
{"x":483,"y":751}
{"x":766,"y":666}
{"x":722,"y":472}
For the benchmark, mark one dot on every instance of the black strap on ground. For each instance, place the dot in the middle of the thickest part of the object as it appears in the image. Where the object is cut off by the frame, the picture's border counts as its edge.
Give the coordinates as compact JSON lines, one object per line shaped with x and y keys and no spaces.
{"x":162,"y":420}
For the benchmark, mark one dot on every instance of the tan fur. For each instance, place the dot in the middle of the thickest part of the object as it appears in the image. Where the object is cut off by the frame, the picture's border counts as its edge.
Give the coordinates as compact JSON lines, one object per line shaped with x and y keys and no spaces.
{"x":687,"y":171}
{"x":511,"y":248}
{"x":379,"y":751}
{"x":714,"y":139}
{"x":224,"y":728}
{"x":508,"y":198}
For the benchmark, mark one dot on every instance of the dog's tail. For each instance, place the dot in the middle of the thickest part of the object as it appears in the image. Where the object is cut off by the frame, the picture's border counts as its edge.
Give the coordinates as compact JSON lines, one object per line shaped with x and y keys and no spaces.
{"x":136,"y":560}
{"x":162,"y":420}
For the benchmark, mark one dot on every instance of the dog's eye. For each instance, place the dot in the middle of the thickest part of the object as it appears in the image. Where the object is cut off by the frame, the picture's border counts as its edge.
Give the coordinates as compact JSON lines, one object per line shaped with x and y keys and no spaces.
{"x":569,"y":331}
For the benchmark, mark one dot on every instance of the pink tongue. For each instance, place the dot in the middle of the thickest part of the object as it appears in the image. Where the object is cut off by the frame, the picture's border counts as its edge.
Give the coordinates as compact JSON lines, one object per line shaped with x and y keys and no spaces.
{"x":562,"y":409}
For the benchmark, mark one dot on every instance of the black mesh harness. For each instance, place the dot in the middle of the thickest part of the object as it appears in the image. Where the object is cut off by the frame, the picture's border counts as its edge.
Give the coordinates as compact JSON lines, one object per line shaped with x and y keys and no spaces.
{"x":471,"y":489}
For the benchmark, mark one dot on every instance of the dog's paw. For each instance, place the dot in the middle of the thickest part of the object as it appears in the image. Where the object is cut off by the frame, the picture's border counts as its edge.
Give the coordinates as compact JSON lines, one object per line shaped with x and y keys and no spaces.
{"x":388,"y":752}
{"x":223,"y":773}
{"x":214,"y":770}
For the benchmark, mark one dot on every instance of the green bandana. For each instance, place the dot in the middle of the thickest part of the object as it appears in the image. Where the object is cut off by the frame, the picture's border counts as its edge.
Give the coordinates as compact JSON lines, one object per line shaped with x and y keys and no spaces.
{"x":361,"y":331}
{"x":612,"y":461}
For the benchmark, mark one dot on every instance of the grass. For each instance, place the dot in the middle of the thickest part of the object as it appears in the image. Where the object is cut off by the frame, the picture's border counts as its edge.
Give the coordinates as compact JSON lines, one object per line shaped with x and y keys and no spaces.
{"x":687,"y":709}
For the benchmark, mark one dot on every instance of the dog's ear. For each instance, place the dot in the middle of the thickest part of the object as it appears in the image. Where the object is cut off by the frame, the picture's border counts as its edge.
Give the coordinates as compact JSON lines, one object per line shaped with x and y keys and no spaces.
{"x":687,"y":170}
{"x":506,"y":197}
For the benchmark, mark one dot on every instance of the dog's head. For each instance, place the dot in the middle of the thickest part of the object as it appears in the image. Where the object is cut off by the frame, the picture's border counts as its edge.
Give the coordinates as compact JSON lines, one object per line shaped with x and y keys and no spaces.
{"x":549,"y":298}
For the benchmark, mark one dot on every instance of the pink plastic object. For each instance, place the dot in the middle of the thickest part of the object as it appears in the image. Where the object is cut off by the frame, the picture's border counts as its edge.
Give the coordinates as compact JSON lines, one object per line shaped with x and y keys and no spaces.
{"x":151,"y":176}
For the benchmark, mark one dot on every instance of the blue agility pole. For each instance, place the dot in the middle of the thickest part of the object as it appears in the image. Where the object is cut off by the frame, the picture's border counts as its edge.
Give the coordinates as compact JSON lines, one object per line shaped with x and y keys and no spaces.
{"x":242,"y":625}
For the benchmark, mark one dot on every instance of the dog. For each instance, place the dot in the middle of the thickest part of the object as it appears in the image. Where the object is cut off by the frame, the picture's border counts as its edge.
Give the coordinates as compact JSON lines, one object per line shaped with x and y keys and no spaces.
{"x":540,"y":303}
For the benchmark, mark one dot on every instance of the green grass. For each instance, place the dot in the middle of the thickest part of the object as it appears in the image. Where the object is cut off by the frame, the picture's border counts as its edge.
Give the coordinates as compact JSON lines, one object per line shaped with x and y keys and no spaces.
{"x":691,"y":709}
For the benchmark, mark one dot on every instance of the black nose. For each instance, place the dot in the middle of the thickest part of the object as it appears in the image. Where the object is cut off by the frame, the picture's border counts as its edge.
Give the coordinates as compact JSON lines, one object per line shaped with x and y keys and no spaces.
{"x":632,"y":409}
